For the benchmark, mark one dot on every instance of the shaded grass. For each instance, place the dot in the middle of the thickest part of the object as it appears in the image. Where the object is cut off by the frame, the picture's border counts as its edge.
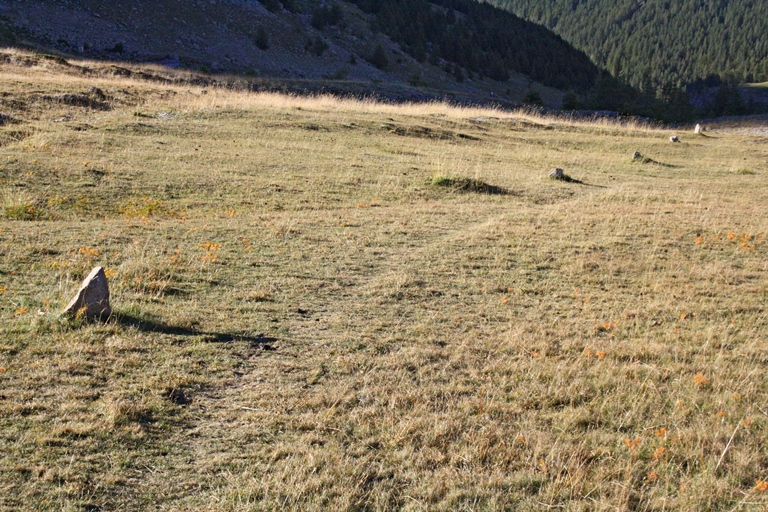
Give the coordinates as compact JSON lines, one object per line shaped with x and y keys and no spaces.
{"x":154,"y":326}
{"x":567,"y":179}
{"x":649,"y":160}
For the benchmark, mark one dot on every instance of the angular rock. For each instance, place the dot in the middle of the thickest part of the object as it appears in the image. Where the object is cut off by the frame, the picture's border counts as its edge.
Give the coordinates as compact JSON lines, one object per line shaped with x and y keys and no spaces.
{"x":557,"y":174}
{"x":674,"y":138}
{"x":93,"y":297}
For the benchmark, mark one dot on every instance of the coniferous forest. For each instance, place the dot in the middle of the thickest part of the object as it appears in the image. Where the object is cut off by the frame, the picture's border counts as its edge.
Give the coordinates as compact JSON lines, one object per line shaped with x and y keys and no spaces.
{"x":653,"y":44}
{"x":475,"y":38}
{"x":654,"y":59}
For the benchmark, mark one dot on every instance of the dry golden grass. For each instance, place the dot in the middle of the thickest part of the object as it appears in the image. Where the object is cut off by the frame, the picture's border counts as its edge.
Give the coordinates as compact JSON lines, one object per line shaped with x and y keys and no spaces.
{"x":304,"y":321}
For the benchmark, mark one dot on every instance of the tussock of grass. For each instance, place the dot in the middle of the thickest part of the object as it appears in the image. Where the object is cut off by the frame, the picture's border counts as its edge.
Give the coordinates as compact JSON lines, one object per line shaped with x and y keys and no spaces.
{"x":467,"y":185}
{"x":21,"y":205}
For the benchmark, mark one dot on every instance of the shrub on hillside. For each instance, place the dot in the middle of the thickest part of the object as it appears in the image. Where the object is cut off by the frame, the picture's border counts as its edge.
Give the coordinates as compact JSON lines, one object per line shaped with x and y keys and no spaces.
{"x":290,"y":6}
{"x":262,"y":39}
{"x":533,"y":98}
{"x":271,"y":5}
{"x":316,"y":46}
{"x":571,"y":101}
{"x":326,"y":16}
{"x":379,"y":58}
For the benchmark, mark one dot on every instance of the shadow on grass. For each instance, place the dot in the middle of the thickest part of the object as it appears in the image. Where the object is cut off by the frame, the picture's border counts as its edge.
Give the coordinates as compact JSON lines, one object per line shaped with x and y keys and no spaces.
{"x":149,"y":325}
{"x":638,"y":157}
{"x":660,"y":164}
{"x":569,"y":179}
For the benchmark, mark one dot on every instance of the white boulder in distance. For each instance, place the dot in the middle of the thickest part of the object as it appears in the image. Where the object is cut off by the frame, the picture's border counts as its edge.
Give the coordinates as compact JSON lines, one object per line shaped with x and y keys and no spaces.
{"x":557,"y":174}
{"x":93,"y":297}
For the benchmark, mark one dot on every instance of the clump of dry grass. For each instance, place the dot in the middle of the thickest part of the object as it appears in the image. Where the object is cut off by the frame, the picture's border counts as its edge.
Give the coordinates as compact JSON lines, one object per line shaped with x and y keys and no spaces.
{"x":20,"y":205}
{"x":302,"y":320}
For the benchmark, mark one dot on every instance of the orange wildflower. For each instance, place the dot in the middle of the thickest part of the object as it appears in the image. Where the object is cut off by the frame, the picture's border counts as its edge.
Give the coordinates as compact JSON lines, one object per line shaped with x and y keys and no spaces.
{"x":632,"y":444}
{"x":700,"y":379}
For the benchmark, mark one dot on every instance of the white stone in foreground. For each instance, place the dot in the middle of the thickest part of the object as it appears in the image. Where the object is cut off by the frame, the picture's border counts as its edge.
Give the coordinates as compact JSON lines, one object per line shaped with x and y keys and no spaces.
{"x":93,"y":295}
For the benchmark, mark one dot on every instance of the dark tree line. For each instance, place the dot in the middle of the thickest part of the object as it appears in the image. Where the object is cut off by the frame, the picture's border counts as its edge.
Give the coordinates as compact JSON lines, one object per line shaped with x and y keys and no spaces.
{"x":654,"y":44}
{"x":477,"y":39}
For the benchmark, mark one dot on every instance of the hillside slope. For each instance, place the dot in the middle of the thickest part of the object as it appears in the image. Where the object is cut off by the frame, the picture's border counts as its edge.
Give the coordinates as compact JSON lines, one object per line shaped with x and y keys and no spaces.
{"x":659,"y":42}
{"x":297,"y":40}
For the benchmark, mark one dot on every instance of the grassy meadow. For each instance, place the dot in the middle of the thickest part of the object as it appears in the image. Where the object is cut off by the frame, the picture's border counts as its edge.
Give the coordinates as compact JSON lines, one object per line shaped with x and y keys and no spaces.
{"x":326,"y":304}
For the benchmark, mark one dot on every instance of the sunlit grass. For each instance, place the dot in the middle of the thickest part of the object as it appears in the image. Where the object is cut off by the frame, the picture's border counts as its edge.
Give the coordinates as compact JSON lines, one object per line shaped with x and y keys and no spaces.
{"x":318,"y":304}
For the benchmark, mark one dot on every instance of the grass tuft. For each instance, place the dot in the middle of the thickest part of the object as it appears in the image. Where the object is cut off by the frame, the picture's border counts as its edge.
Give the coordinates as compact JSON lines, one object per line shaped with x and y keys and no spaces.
{"x":20,"y":205}
{"x":467,"y":185}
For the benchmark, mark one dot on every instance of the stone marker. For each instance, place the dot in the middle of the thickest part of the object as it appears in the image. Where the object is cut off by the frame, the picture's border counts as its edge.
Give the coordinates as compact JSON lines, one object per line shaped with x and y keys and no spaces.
{"x":637,"y":156}
{"x":557,"y":174}
{"x":674,"y":138}
{"x":698,"y":129}
{"x":93,"y":295}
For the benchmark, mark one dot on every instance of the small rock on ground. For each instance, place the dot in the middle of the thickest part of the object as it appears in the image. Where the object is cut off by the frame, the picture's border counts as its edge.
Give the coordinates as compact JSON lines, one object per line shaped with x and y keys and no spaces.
{"x":92,"y":297}
{"x":557,"y":173}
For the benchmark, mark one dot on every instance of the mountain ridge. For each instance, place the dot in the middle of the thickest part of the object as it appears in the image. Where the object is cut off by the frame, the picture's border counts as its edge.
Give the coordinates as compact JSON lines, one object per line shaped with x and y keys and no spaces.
{"x":283,"y":40}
